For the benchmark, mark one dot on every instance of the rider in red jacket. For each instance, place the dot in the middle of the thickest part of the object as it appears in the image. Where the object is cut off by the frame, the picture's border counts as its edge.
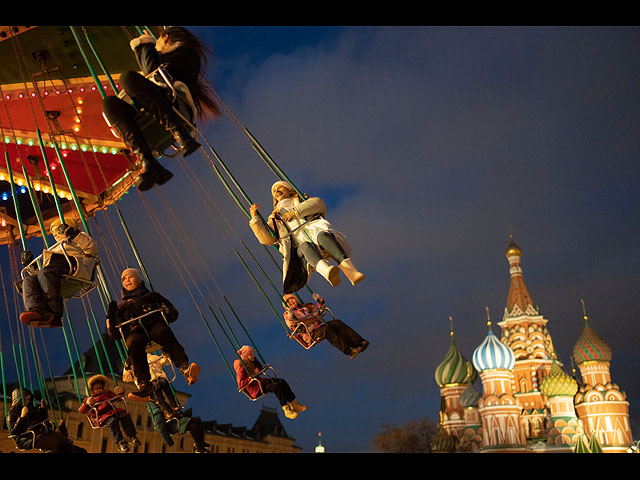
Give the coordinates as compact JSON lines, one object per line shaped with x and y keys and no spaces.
{"x":106,"y":414}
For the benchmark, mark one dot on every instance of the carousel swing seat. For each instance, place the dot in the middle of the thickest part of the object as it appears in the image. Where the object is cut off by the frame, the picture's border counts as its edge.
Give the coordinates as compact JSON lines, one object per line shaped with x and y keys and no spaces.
{"x":266,"y":370}
{"x":159,"y":139}
{"x":41,"y":428}
{"x":92,"y":414}
{"x":305,"y":326}
{"x":151,"y":346}
{"x":74,"y":284}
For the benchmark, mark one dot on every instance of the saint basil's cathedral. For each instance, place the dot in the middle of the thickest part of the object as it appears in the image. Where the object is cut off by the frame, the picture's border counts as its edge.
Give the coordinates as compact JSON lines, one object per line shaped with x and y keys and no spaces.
{"x":515,"y":396}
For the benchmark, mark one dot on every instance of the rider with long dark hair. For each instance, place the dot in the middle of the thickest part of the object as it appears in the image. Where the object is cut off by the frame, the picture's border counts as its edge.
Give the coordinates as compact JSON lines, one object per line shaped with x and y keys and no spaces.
{"x":185,"y":59}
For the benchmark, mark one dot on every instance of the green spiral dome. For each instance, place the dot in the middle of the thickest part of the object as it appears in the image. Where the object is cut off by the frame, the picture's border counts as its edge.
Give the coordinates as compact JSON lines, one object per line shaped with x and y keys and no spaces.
{"x":455,"y":368}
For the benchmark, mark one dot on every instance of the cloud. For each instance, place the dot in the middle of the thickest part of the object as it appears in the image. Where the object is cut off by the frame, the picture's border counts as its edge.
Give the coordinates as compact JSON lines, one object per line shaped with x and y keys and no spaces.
{"x":430,"y":145}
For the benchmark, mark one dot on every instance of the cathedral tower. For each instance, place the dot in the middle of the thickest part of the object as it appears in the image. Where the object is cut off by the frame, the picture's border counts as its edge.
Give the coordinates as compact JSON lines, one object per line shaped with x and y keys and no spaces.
{"x":524,"y":331}
{"x":499,"y":410}
{"x":560,"y":389}
{"x":453,"y":375}
{"x":600,"y":404}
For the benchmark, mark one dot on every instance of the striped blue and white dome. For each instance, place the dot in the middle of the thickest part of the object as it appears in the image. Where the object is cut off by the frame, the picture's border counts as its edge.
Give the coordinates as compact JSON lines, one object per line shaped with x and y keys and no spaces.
{"x":492,"y":354}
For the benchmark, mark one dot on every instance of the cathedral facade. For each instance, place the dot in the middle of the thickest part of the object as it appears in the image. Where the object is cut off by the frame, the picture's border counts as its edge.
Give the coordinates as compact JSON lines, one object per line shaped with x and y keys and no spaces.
{"x":515,"y":396}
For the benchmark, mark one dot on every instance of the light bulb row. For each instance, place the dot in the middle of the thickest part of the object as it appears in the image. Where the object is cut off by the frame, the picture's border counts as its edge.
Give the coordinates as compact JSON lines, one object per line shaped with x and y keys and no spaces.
{"x":66,"y":146}
{"x":58,"y":91}
{"x":36,"y":186}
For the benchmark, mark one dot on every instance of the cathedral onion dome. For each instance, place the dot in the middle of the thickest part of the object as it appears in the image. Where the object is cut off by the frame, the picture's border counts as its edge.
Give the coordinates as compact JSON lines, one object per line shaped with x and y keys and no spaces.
{"x":470,"y":397}
{"x":590,"y":347}
{"x":558,"y":384}
{"x":493,"y":354}
{"x":443,"y":442}
{"x":454,"y":369}
{"x":513,"y":250}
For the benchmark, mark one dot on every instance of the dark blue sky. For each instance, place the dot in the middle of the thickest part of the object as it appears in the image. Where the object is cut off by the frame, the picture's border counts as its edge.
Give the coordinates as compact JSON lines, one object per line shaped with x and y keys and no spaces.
{"x":430,"y":145}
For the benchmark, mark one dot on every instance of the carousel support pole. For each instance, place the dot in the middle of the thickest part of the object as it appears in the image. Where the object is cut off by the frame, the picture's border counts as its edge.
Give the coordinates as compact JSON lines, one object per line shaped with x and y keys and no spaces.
{"x":35,"y":206}
{"x":100,"y":62}
{"x":87,"y":62}
{"x":54,"y":191}
{"x":265,"y":156}
{"x":134,"y":248}
{"x":24,"y":247}
{"x":105,"y":289}
{"x":16,"y":204}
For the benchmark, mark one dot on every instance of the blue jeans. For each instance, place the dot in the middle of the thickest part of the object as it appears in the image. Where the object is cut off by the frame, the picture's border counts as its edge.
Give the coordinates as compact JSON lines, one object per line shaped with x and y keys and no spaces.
{"x":328,"y":242}
{"x":42,"y":291}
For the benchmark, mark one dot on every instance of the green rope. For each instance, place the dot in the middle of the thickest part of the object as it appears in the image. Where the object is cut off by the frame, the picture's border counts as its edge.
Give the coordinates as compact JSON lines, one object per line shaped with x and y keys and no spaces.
{"x":215,"y":340}
{"x":54,"y":192}
{"x":236,"y":346}
{"x":133,"y":247}
{"x":99,"y":272}
{"x":101,"y":339}
{"x":36,"y":207}
{"x":4,"y":385}
{"x":271,"y":163}
{"x":73,"y":367}
{"x":44,"y":392}
{"x":93,"y":341}
{"x":100,"y":62}
{"x":262,"y":291}
{"x":16,"y":204}
{"x":83,"y":52}
{"x":51,"y":376}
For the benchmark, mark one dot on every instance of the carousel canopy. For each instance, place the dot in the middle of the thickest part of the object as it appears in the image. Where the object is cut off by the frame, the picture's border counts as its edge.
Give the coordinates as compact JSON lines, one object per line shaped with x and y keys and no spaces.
{"x":52,"y":83}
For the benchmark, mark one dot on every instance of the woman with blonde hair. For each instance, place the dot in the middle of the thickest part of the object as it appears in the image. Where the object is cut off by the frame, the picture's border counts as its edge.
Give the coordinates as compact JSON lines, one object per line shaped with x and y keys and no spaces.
{"x":305,"y":239}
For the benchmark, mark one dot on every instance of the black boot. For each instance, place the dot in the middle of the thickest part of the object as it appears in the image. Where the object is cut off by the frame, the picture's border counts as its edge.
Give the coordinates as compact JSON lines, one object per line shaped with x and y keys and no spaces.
{"x":160,"y":107}
{"x":152,"y":172}
{"x":187,"y":143}
{"x":145,"y":389}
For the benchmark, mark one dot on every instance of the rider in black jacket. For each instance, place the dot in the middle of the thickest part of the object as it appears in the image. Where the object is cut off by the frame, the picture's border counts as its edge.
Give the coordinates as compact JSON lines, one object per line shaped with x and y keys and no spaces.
{"x":138,"y":300}
{"x":30,"y":427}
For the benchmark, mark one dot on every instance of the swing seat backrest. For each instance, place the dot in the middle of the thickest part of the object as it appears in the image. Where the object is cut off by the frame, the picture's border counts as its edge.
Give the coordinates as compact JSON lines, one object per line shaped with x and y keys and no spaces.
{"x":76,"y":286}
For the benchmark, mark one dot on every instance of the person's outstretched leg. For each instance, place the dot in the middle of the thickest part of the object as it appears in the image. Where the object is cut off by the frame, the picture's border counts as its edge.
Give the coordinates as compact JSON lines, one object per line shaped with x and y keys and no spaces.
{"x":121,"y":117}
{"x":146,"y":94}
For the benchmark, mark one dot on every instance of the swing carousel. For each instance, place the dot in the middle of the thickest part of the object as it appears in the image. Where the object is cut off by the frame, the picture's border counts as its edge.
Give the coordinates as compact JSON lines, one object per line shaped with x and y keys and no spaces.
{"x":61,"y":160}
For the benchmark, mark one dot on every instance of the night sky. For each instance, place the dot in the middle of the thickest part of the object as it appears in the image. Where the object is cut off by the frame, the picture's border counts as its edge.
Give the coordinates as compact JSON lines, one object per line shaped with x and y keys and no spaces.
{"x":430,"y":146}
